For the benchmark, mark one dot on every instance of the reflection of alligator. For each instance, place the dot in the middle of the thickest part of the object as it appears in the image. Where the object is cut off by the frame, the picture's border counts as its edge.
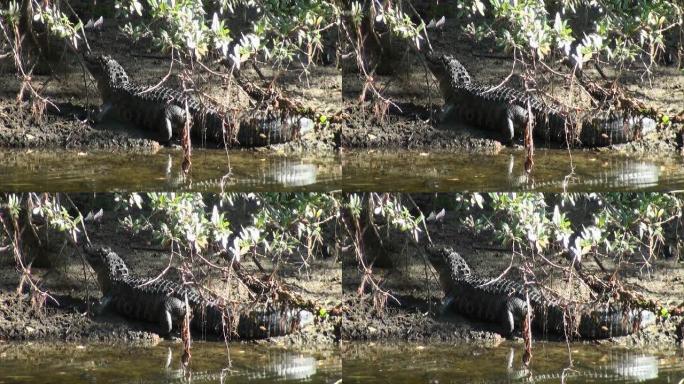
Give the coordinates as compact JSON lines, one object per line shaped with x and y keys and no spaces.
{"x":162,"y":110}
{"x":626,"y":174}
{"x":272,"y":366}
{"x":279,"y":172}
{"x":163,"y":301}
{"x":503,"y":301}
{"x":503,"y":109}
{"x":621,"y":366}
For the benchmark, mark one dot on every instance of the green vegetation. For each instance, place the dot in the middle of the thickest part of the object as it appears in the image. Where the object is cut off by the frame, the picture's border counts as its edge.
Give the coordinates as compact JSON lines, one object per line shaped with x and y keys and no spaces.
{"x":616,"y":225}
{"x":618,"y":31}
{"x":279,"y":224}
{"x":279,"y":30}
{"x":540,"y":231}
{"x":229,"y":29}
{"x":197,"y":230}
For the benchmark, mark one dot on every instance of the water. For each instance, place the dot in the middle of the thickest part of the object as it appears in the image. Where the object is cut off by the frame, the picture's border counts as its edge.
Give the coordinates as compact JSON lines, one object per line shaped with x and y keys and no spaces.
{"x":410,"y":171}
{"x":466,"y":363}
{"x":212,"y":170}
{"x":554,"y":171}
{"x":210,"y":363}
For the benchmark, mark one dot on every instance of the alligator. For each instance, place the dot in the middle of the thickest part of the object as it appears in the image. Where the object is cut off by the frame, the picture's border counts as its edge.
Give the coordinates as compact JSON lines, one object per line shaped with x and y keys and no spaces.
{"x":162,"y":110}
{"x":504,"y":301}
{"x":504,"y":109}
{"x":162,"y":301}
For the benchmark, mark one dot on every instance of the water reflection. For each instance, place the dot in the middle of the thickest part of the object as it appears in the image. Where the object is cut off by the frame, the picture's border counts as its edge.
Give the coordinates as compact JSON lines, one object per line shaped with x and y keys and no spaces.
{"x":212,"y":171}
{"x":271,"y":366}
{"x":617,"y":366}
{"x":211,"y":362}
{"x":553,"y":171}
{"x":401,"y":171}
{"x":274,"y":172}
{"x":473,"y":363}
{"x":618,"y":173}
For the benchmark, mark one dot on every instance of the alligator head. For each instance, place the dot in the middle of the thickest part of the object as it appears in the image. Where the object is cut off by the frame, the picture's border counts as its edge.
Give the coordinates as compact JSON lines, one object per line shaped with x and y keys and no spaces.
{"x":106,"y":71}
{"x":449,"y":264}
{"x":106,"y":264}
{"x":449,"y":72}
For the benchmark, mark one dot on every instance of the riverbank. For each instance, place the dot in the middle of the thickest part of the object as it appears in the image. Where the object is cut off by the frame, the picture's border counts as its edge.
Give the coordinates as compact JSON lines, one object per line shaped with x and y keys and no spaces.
{"x":72,"y":284}
{"x":413,"y":311}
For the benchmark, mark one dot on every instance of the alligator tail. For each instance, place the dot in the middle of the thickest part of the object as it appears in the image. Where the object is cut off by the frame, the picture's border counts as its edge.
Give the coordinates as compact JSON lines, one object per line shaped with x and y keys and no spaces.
{"x":267,"y":128}
{"x":268,"y":321}
{"x":591,"y":322}
{"x":614,"y":129}
{"x":258,"y":322}
{"x":258,"y":130}
{"x":604,"y":323}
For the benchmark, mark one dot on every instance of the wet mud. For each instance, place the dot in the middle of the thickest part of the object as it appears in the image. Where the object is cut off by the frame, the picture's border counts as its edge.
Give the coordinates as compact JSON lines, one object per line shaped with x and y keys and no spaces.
{"x":68,"y":120}
{"x":413,"y":311}
{"x":71,"y":282}
{"x":408,"y":121}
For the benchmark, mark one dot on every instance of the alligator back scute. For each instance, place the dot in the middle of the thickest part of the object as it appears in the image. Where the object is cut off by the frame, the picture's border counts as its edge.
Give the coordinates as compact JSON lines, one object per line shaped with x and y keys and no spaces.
{"x":474,"y":299}
{"x":133,"y":299}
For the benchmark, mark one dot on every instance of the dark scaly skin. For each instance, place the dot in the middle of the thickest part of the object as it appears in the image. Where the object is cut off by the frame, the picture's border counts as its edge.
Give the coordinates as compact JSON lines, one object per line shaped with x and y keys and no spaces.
{"x":162,"y":110}
{"x":504,"y":110}
{"x":504,"y":302}
{"x":163,"y":302}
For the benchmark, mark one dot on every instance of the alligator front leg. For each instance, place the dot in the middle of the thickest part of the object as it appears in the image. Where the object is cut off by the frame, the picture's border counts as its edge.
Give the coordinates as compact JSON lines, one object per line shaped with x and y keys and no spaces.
{"x":102,"y":305}
{"x":516,"y":116}
{"x":105,"y":109}
{"x":173,"y":310}
{"x":516,"y":309}
{"x":446,"y":112}
{"x":447,"y":302}
{"x":174,"y":121}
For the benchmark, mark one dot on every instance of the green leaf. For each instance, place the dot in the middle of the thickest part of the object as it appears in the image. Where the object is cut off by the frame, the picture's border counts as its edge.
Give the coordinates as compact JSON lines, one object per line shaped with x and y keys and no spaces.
{"x":664,"y":313}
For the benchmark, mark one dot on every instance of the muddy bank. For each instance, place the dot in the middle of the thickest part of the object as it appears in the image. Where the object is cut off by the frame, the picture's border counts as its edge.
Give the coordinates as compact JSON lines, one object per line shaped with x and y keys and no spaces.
{"x":403,"y":270}
{"x":402,"y":129}
{"x":70,"y":87}
{"x":71,"y":282}
{"x":21,"y":128}
{"x":417,"y":316}
{"x":398,"y":130}
{"x":403,"y":78}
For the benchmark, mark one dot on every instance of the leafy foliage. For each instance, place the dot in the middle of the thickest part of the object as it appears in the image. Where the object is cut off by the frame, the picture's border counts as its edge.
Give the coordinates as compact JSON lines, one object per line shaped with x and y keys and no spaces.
{"x":278,"y":224}
{"x":620,"y":30}
{"x":613,"y":224}
{"x":279,"y":30}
